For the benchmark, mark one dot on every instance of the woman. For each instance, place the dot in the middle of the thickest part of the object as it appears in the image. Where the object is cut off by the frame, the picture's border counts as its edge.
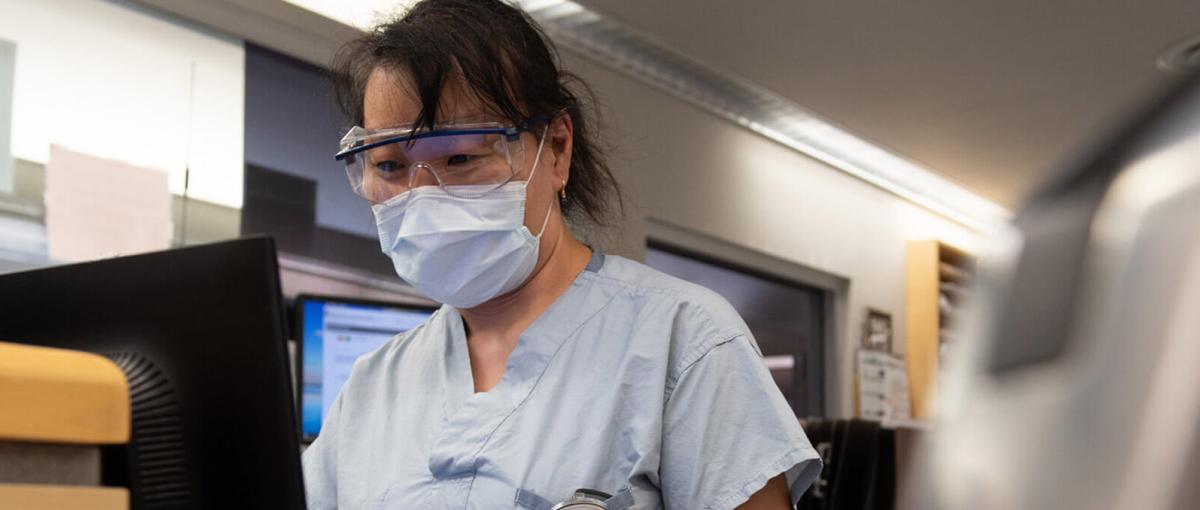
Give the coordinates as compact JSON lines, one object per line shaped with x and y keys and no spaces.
{"x":551,"y":367}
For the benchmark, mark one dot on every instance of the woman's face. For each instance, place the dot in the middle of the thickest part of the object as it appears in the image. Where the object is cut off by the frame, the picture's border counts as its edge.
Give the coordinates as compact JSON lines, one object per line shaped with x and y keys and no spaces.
{"x":389,"y":101}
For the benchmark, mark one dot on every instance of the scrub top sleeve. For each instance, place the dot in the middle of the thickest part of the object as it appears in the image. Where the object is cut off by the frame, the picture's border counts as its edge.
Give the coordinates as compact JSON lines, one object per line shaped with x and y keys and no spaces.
{"x":727,"y":430}
{"x":320,"y":463}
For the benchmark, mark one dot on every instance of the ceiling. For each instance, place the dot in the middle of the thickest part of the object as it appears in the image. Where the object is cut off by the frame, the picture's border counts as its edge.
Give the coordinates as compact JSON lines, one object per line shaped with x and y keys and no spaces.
{"x":991,"y":95}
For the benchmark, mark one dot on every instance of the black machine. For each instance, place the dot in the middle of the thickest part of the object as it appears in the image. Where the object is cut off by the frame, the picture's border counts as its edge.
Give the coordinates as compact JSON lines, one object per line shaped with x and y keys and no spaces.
{"x":199,"y":332}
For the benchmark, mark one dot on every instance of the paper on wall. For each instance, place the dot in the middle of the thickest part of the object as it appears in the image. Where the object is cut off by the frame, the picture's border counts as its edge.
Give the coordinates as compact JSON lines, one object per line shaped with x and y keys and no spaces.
{"x":98,"y":208}
{"x":882,"y":386}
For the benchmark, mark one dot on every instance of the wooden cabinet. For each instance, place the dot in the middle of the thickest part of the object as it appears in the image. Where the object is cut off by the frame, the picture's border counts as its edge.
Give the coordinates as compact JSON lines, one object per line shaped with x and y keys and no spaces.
{"x":938,"y":279}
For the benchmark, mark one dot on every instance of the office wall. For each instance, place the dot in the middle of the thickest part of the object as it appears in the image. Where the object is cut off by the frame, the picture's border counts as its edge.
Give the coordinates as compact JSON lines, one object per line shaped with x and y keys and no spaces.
{"x":114,"y":81}
{"x":692,"y":170}
{"x":8,"y":53}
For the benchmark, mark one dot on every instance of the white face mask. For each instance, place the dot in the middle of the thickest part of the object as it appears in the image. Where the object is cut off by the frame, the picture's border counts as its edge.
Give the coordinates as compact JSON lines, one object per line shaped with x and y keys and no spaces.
{"x":461,"y":251}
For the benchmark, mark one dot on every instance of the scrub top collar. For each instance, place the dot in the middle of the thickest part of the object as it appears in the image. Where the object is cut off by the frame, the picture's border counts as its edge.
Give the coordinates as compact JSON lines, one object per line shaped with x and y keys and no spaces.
{"x":596,"y":262}
{"x":471,"y":417}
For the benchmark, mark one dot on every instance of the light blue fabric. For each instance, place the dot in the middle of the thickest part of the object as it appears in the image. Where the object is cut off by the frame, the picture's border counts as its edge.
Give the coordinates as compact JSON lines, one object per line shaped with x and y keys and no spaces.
{"x":632,"y":382}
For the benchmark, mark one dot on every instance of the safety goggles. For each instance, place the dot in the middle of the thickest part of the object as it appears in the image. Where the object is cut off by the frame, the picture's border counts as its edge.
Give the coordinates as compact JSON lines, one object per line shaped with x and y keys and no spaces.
{"x":466,"y":160}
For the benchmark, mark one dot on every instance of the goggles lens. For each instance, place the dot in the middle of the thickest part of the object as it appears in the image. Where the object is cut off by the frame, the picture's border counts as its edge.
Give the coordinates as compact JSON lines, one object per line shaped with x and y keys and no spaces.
{"x":465,"y":162}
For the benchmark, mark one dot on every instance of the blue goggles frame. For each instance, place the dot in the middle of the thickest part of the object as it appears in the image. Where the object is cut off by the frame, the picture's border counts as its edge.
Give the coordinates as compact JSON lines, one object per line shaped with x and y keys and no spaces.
{"x":355,"y":140}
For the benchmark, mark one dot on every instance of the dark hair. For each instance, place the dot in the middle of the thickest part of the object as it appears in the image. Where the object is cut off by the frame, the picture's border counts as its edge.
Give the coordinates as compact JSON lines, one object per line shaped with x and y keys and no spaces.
{"x":503,"y":59}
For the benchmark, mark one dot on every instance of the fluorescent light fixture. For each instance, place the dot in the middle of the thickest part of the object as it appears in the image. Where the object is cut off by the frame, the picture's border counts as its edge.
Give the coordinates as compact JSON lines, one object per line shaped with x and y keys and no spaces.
{"x":360,"y":14}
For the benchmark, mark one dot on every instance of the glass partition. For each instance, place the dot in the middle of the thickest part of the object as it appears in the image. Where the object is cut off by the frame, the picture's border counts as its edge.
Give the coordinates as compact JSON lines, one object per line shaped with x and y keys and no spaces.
{"x":117,"y":113}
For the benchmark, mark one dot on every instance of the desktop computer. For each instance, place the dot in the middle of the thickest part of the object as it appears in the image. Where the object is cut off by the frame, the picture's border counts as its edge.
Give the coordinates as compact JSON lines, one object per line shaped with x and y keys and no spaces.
{"x":332,"y":333}
{"x":199,"y":332}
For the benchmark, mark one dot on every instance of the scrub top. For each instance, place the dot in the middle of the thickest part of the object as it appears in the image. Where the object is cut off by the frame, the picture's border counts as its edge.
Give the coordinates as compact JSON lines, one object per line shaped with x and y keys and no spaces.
{"x":633,"y":383}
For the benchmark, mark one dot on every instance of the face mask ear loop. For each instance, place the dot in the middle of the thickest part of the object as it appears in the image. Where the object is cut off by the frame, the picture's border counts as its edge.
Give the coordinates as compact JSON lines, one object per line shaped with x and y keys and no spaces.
{"x":536,"y":158}
{"x":545,"y":221}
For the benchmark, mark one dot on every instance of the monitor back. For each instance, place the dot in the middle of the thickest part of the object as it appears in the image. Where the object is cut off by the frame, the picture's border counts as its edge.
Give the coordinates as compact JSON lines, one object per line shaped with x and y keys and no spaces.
{"x":199,"y":334}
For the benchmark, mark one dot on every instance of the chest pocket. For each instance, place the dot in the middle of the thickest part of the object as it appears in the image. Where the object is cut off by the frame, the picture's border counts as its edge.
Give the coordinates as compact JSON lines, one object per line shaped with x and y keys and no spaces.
{"x":622,"y":500}
{"x":529,"y":501}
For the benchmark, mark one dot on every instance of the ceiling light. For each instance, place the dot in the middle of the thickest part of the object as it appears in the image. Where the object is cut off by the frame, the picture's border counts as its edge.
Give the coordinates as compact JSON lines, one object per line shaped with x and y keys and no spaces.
{"x":360,"y":14}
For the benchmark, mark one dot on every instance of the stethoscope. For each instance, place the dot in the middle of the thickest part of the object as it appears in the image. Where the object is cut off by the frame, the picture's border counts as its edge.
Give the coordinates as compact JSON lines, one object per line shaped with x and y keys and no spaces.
{"x":584,"y":499}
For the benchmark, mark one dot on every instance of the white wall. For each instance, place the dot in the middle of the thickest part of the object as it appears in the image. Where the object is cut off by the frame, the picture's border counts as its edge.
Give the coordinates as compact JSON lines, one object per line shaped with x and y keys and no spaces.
{"x":114,"y":82}
{"x":690,"y":169}
{"x":7,"y":63}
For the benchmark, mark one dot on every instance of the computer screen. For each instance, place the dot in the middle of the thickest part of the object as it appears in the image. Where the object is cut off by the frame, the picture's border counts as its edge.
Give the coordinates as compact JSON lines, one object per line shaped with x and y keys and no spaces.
{"x":199,"y":333}
{"x":334,"y":332}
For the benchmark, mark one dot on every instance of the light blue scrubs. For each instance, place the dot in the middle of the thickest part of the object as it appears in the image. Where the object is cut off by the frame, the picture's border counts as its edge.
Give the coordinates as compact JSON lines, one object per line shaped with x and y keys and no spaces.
{"x":633,"y":383}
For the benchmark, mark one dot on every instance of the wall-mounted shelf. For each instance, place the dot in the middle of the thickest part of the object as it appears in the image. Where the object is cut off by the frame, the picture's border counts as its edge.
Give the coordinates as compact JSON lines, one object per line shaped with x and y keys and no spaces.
{"x":939,"y":277}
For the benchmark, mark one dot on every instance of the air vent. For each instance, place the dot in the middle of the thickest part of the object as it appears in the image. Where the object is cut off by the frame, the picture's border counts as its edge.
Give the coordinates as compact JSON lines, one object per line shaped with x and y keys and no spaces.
{"x":156,"y":452}
{"x":1183,"y":56}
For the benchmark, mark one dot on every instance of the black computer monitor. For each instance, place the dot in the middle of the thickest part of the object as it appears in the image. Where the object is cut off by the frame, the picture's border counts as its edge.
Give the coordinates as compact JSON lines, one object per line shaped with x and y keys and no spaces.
{"x":199,"y":334}
{"x":333,"y":332}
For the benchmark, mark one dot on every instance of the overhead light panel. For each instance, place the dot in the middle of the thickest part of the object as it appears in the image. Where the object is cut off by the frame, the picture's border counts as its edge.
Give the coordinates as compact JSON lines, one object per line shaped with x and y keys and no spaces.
{"x":360,"y":14}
